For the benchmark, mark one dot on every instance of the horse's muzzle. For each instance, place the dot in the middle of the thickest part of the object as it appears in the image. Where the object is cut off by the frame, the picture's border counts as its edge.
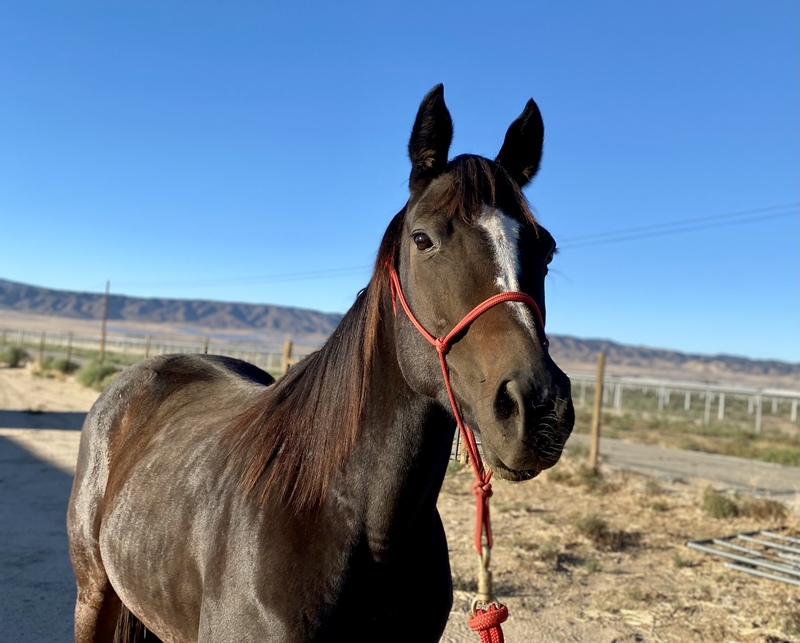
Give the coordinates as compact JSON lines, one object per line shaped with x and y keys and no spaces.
{"x":535,"y":419}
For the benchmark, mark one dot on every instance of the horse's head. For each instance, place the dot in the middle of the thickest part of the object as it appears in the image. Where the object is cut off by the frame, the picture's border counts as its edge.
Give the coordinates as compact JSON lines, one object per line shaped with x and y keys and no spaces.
{"x":465,"y":235}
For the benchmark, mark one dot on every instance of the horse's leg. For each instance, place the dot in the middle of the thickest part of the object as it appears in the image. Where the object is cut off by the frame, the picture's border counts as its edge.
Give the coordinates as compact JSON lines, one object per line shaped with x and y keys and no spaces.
{"x":97,"y":606}
{"x":96,"y":612}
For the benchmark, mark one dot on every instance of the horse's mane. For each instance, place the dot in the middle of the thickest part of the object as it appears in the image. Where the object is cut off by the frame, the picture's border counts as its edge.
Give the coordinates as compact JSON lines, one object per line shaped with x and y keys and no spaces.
{"x":299,"y":431}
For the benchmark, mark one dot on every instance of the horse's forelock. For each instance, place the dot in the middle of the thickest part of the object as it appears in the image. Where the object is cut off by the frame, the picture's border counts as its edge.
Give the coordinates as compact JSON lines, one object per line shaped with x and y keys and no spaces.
{"x":474,"y":182}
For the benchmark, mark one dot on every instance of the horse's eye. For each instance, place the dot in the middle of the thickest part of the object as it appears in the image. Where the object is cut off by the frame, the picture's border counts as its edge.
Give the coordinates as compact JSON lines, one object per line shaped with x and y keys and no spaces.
{"x":423,"y":241}
{"x":550,"y":258}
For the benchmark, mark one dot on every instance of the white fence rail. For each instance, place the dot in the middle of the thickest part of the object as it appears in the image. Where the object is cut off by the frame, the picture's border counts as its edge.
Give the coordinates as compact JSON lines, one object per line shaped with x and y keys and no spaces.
{"x":715,"y":399}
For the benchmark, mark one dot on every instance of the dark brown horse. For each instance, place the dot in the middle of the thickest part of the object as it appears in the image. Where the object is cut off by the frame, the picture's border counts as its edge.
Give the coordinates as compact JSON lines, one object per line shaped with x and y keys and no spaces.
{"x":212,"y":504}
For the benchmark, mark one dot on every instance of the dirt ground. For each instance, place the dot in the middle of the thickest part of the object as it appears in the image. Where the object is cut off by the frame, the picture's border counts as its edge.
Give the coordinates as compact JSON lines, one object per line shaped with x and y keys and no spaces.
{"x":576,"y":557}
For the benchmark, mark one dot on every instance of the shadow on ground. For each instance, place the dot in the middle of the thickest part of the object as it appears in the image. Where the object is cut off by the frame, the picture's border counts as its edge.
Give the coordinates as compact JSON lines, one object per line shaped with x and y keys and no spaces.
{"x":68,"y":420}
{"x":37,"y":594}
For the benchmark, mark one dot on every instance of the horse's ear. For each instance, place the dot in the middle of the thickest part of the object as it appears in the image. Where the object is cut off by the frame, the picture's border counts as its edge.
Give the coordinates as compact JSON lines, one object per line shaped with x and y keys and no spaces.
{"x":430,"y":138}
{"x":522,"y":148}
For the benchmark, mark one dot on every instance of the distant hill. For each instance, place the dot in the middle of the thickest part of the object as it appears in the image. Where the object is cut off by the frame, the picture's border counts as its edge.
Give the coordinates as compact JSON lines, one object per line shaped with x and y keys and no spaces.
{"x":218,"y":315}
{"x":577,"y":354}
{"x":258,"y":321}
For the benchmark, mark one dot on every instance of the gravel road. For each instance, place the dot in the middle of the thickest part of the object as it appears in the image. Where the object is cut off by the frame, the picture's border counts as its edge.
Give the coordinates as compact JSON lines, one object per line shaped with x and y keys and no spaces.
{"x":725,"y":473}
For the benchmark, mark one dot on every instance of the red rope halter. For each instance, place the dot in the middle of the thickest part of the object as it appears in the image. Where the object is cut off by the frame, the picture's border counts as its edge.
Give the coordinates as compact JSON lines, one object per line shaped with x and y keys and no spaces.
{"x":486,"y":622}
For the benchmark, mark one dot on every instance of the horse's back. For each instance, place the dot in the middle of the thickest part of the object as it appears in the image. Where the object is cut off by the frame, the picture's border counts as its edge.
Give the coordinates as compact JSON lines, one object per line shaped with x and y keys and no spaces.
{"x":141,"y":432}
{"x":134,"y":408}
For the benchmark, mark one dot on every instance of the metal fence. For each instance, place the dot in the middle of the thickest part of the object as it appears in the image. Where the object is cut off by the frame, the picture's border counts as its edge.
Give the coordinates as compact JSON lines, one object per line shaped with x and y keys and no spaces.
{"x":689,"y":399}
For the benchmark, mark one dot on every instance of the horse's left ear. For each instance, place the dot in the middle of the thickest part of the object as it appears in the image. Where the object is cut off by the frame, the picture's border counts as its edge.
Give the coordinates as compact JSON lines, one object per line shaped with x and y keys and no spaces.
{"x":430,"y":139}
{"x":522,"y":148}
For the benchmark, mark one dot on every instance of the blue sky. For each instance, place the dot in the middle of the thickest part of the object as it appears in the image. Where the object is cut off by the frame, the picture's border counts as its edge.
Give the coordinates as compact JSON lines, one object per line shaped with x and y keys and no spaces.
{"x":256,"y":152}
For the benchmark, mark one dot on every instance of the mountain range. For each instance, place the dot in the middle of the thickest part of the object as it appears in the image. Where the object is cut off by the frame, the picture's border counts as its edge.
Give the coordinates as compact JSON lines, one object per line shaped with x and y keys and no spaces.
{"x":257,"y":322}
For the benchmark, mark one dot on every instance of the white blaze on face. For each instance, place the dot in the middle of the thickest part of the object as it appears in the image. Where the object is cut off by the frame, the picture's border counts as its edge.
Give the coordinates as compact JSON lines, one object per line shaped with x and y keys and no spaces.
{"x":503,"y":232}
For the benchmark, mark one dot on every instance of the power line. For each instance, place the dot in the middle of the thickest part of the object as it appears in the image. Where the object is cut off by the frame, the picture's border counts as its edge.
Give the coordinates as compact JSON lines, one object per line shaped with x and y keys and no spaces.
{"x":611,"y":236}
{"x":684,"y":225}
{"x":676,"y":230}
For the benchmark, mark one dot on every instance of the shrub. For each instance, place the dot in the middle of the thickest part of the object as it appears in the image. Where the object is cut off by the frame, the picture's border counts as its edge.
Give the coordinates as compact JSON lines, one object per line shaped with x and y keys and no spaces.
{"x":718,"y":505}
{"x":591,"y":479}
{"x":659,"y":505}
{"x":549,"y":551}
{"x":764,"y":509}
{"x":787,"y":456}
{"x":653,"y":488}
{"x":50,"y":365}
{"x":96,"y":375}
{"x":64,"y":366}
{"x":13,"y":356}
{"x":597,"y":530}
{"x":792,"y":623}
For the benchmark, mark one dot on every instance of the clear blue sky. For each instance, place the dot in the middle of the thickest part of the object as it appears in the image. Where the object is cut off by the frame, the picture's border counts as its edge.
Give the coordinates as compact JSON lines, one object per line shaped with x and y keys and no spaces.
{"x":207,"y":150}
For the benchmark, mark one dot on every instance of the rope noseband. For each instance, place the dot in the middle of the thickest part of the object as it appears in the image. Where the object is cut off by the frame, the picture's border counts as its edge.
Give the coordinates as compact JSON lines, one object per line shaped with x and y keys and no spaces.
{"x":485,"y":622}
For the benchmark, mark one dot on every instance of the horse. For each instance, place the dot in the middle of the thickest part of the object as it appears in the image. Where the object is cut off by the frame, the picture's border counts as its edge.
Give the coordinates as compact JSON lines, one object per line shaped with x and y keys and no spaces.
{"x":211,"y":503}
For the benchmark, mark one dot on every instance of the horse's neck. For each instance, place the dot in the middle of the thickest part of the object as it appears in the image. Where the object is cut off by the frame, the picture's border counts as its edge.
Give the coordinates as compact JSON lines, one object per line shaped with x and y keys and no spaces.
{"x":402,"y":455}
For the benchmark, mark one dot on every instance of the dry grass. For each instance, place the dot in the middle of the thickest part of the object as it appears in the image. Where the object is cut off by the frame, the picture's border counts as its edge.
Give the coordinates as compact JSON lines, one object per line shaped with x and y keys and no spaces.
{"x":719,"y":505}
{"x":607,"y":552}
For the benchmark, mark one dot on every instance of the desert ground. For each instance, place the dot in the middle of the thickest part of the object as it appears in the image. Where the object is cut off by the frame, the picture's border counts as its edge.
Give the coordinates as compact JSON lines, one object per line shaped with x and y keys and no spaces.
{"x":577,"y":557}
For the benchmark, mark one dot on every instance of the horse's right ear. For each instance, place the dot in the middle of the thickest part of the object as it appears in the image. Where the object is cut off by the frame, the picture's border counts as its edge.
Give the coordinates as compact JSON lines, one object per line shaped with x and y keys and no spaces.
{"x":430,"y":139}
{"x":522,"y":149}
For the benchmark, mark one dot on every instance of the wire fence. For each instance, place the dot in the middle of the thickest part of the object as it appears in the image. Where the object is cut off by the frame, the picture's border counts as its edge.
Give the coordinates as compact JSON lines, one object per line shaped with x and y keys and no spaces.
{"x":272,"y":356}
{"x":753,"y":409}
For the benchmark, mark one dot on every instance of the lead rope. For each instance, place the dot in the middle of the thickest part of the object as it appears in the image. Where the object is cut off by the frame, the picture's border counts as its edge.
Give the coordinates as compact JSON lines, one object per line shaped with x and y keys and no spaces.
{"x":484,"y":621}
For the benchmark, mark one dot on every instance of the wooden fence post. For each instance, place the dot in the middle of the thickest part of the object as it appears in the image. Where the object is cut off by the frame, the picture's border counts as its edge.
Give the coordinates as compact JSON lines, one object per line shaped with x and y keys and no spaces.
{"x":461,"y":452}
{"x":41,"y":349}
{"x":103,"y":327}
{"x":759,"y":404}
{"x":286,"y":362}
{"x":596,"y":412}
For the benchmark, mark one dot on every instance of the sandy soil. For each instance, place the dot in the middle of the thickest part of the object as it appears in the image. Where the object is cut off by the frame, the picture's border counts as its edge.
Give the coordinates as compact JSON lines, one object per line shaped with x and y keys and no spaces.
{"x":559,"y":584}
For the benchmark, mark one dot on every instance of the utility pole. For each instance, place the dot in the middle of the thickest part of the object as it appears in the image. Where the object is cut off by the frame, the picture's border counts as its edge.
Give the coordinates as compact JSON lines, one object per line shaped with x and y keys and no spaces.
{"x":105,"y":319}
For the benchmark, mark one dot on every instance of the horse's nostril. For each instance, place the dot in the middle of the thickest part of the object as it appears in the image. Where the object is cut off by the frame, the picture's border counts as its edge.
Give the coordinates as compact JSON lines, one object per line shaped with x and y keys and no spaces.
{"x":505,"y":406}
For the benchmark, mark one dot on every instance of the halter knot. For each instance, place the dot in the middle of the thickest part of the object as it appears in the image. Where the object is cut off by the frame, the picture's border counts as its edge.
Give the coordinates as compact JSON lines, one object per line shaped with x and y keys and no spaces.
{"x":483,"y":488}
{"x":442,"y":345}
